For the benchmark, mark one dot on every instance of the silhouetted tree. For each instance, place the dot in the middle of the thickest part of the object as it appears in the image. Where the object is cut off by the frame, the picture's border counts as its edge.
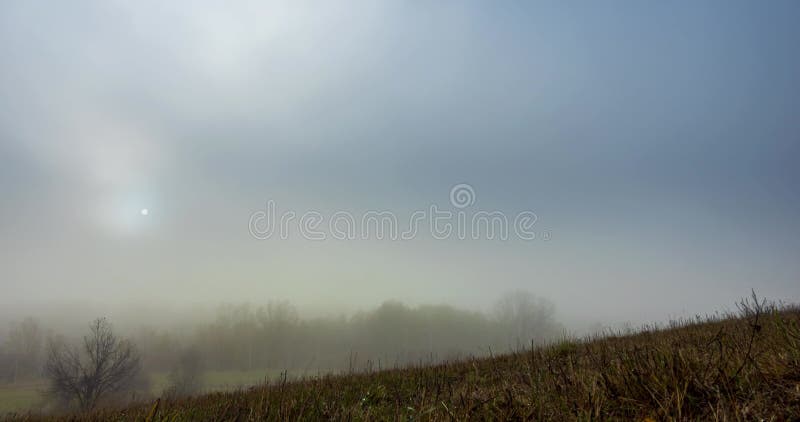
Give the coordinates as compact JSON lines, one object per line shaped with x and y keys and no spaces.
{"x":103,"y":365}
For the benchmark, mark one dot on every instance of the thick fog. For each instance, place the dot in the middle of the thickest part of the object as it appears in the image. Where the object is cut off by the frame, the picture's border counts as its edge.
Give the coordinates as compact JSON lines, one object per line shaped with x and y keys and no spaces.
{"x":142,"y":142}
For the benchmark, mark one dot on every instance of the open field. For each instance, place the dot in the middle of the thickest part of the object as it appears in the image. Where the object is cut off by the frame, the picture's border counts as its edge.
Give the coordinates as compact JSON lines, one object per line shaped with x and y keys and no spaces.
{"x":28,"y":395}
{"x":21,"y":396}
{"x":737,"y":367}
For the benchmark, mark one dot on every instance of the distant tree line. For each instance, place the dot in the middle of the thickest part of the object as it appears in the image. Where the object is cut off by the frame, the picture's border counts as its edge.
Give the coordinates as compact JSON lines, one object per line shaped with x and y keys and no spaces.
{"x":99,"y":364}
{"x":246,"y":337}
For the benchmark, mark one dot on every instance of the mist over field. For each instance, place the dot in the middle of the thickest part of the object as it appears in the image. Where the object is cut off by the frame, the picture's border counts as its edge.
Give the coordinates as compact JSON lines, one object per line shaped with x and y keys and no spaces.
{"x":312,"y":187}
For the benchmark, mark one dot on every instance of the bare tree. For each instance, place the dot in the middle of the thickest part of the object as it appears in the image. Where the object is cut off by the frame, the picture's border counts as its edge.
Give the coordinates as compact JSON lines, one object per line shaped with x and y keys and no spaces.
{"x":105,"y":364}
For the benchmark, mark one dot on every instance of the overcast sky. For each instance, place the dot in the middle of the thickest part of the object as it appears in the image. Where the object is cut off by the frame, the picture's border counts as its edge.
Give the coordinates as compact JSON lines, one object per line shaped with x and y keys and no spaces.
{"x":657,"y":142}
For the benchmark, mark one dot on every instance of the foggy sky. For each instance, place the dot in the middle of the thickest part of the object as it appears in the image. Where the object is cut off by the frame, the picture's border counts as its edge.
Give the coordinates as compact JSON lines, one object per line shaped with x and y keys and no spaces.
{"x":657,"y":143}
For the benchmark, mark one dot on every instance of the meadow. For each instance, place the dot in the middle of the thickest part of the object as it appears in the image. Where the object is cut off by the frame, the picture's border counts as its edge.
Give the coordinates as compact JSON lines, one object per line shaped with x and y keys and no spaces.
{"x":28,"y":396}
{"x":742,"y":366}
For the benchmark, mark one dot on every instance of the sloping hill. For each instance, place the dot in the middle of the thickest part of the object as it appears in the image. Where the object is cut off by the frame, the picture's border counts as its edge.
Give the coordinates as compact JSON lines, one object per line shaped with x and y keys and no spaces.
{"x":731,"y":367}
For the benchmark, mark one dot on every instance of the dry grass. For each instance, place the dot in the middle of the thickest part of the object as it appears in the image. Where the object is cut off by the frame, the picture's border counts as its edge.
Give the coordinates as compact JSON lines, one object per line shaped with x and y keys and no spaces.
{"x":734,"y":367}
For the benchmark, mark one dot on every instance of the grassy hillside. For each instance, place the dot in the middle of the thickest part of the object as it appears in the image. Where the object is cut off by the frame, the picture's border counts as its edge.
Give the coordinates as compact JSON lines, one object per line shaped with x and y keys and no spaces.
{"x":733,"y":367}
